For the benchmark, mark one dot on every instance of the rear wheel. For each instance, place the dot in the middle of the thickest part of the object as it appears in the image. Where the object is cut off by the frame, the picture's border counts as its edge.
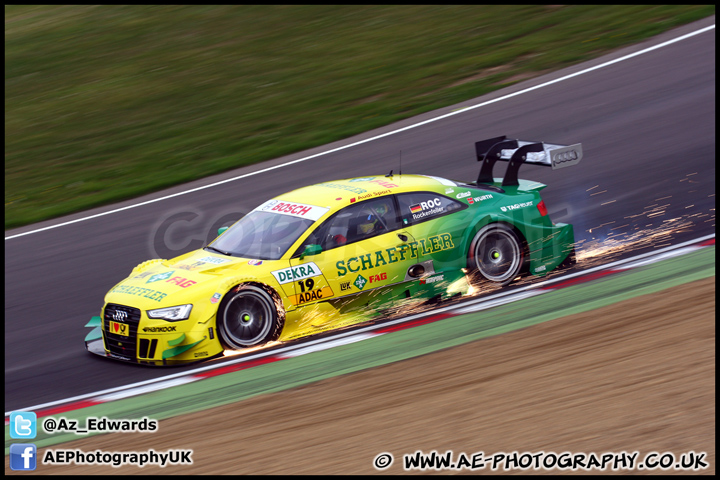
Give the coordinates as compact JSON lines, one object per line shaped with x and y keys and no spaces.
{"x":248,"y":317}
{"x":496,"y":254}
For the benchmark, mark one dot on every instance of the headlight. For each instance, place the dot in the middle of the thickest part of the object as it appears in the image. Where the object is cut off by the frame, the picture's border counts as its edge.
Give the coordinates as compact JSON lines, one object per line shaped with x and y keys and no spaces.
{"x":171,"y":314}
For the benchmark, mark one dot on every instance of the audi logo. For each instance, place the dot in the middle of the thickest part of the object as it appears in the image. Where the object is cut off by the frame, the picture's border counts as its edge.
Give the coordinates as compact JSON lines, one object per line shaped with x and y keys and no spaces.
{"x":120,"y":315}
{"x":566,"y":156}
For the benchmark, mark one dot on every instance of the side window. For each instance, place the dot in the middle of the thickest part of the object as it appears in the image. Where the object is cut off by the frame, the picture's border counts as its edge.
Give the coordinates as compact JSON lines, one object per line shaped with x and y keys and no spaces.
{"x":419,"y":207}
{"x":354,"y":223}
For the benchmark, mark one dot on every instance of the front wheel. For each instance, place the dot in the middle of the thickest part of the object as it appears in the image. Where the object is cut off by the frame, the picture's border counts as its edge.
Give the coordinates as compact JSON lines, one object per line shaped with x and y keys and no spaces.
{"x":249,"y":317}
{"x":496,"y":254}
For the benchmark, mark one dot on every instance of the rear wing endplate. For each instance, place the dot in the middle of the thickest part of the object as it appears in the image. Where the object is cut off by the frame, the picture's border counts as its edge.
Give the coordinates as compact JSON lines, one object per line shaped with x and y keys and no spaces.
{"x":517,"y":152}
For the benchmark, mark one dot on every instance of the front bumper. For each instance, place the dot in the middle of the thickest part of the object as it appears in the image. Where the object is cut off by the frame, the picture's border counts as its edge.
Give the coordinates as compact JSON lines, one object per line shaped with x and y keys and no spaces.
{"x":124,"y":333}
{"x":97,"y":347}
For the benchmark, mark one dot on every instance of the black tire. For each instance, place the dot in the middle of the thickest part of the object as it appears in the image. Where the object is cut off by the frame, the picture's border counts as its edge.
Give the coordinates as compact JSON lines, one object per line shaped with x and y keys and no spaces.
{"x":248,"y":317}
{"x":496,"y":254}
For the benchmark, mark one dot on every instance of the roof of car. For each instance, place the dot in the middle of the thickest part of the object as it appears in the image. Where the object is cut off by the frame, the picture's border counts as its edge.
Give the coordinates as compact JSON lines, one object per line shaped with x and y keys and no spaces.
{"x":337,"y":194}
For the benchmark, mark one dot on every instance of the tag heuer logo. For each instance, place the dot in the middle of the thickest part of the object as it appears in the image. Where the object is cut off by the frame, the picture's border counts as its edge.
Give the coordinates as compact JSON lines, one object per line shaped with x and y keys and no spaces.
{"x":360,"y":282}
{"x":160,"y":276}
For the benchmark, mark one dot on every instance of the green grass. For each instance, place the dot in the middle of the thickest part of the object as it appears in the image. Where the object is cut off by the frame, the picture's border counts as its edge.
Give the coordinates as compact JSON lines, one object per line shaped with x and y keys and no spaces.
{"x":104,"y":103}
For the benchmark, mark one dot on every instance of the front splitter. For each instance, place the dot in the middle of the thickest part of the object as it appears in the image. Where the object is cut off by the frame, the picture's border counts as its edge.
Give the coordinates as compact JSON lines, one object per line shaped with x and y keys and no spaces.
{"x":96,"y":347}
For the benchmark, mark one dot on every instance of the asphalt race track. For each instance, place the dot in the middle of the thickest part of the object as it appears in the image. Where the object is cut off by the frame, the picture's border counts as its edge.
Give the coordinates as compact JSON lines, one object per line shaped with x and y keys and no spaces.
{"x":647,"y":125}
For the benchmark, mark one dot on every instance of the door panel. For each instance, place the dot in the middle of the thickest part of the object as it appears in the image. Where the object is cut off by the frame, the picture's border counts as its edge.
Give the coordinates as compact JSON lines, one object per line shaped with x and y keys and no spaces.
{"x":438,"y":224}
{"x":359,"y":267}
{"x":363,"y":248}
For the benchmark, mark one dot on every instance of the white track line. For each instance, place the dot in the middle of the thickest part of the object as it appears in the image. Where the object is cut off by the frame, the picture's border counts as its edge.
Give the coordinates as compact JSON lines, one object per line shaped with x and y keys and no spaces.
{"x":415,"y":125}
{"x":362,"y":333}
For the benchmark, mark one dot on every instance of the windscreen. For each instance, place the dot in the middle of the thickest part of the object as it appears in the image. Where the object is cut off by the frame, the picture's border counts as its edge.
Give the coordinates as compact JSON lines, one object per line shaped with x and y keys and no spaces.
{"x":267,"y":232}
{"x":262,"y":235}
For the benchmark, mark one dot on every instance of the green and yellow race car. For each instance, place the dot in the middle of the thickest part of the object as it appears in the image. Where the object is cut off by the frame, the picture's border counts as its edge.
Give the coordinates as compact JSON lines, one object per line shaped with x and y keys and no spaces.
{"x":336,"y":254}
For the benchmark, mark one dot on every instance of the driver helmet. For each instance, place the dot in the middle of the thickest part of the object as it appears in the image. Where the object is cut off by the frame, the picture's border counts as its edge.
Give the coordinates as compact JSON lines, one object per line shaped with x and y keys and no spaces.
{"x":370,"y":222}
{"x":381,"y":209}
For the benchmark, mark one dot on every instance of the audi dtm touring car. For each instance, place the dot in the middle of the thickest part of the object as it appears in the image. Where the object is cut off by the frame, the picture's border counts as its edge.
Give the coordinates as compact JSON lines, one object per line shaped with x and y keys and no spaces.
{"x":335,"y":254}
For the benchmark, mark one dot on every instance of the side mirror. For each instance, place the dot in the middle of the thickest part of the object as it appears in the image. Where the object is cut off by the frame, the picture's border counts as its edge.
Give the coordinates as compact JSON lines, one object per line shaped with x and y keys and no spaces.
{"x":221,"y":230}
{"x":311,"y":249}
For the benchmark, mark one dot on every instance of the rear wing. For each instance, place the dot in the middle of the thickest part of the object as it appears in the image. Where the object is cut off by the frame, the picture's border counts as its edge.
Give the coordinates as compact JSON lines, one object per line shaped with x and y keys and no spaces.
{"x":518,"y":152}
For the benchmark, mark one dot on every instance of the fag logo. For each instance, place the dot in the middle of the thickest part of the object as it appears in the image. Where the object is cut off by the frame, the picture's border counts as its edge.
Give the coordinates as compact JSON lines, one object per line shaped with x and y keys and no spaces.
{"x":378,"y":278}
{"x":160,"y":276}
{"x":360,"y":282}
{"x":379,"y":181}
{"x":182,"y":282}
{"x":415,"y":208}
{"x":384,"y":183}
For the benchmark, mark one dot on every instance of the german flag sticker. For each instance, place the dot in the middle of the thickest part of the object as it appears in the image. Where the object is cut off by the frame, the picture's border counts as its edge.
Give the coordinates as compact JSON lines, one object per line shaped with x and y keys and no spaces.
{"x":415,"y":208}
